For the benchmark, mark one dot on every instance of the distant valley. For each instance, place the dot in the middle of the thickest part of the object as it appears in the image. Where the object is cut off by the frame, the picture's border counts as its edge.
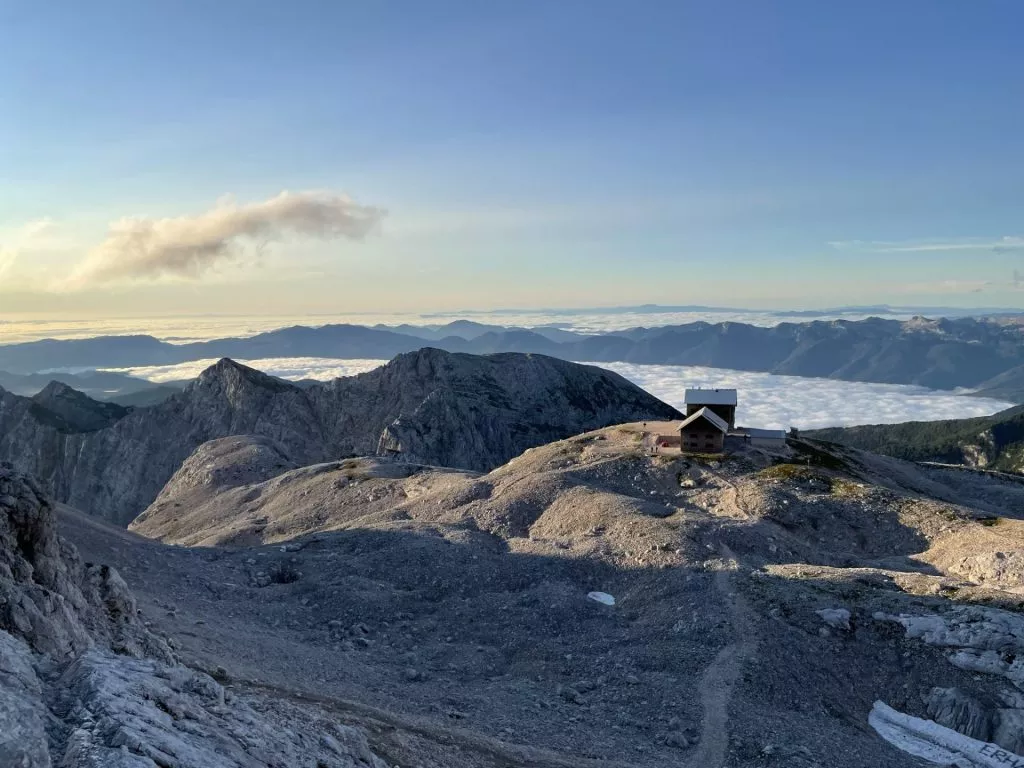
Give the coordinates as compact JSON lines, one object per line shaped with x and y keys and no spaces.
{"x":985,"y":355}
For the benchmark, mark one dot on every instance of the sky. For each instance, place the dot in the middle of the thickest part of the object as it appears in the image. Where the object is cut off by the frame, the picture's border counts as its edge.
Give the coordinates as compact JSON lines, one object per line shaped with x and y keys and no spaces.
{"x":327,"y":157}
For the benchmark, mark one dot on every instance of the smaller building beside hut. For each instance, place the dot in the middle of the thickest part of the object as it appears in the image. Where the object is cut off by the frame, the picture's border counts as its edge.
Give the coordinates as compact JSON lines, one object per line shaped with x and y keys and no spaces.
{"x":764,"y":438}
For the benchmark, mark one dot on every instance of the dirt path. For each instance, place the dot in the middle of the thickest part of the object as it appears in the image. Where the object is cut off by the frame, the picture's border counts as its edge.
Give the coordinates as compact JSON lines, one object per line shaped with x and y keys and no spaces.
{"x":719,"y":680}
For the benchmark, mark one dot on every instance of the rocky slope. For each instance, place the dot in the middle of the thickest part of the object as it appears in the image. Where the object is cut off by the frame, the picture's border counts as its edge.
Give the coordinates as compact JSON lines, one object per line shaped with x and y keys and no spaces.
{"x":991,"y":442}
{"x":986,"y":354}
{"x":765,"y":605}
{"x":84,"y":684}
{"x":430,"y":407}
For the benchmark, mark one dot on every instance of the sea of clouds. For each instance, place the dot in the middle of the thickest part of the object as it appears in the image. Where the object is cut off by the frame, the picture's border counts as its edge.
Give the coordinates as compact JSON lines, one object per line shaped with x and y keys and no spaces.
{"x":766,"y":400}
{"x":778,"y":402}
{"x":291,"y":368}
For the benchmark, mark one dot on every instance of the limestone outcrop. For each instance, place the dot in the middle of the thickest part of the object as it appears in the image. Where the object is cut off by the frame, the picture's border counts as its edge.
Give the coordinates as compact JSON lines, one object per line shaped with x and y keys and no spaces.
{"x":84,"y":683}
{"x":430,"y":407}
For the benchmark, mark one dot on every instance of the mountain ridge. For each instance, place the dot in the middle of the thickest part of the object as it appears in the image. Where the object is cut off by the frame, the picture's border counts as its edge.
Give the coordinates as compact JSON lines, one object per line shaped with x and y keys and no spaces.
{"x":986,"y":442}
{"x":986,"y":355}
{"x":428,"y":406}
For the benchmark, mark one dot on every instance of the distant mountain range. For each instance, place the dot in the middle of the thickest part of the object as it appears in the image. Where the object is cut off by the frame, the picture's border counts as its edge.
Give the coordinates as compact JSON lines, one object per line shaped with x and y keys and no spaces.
{"x":986,"y":355}
{"x":654,"y":309}
{"x":992,"y":442}
{"x":431,"y":407}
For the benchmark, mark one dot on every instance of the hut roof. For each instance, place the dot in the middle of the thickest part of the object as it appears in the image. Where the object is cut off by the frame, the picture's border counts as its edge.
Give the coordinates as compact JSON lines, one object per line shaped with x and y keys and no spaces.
{"x":711,"y":397}
{"x":708,"y":415}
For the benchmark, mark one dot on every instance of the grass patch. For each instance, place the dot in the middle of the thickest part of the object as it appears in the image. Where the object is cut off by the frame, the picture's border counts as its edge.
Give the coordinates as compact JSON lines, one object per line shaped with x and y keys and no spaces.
{"x":844,"y":489}
{"x":818,"y":457}
{"x":787,"y":472}
{"x":988,"y":522}
{"x":705,"y":457}
{"x":837,"y":486}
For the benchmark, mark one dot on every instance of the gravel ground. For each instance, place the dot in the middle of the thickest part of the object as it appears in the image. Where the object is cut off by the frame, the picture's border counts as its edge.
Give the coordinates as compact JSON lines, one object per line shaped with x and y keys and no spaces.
{"x":447,"y":612}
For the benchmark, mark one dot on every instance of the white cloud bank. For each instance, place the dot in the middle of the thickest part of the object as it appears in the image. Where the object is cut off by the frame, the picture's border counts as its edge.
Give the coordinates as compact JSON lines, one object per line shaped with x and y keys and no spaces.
{"x":292,"y":368}
{"x":188,"y":246}
{"x":1004,"y":244}
{"x":37,"y":234}
{"x":771,"y":401}
{"x":766,"y":400}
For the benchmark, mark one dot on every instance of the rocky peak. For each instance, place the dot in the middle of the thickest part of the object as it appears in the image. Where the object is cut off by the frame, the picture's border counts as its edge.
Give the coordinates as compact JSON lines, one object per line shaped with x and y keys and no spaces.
{"x":72,"y":411}
{"x":230,"y":376}
{"x":55,"y":390}
{"x":440,"y":408}
{"x":426,"y":362}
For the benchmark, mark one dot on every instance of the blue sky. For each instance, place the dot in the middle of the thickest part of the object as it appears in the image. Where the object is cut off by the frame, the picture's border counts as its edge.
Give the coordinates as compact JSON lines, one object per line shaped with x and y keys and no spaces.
{"x":527,"y":154}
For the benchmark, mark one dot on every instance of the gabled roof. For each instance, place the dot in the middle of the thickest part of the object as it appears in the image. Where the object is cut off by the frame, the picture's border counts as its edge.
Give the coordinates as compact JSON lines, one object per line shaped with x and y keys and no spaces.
{"x":708,"y":415}
{"x":711,"y":397}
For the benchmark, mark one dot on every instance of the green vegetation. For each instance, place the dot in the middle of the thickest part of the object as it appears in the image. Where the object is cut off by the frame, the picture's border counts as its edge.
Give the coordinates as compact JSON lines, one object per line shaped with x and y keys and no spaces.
{"x":818,"y":455}
{"x":705,"y":457}
{"x":845,"y":489}
{"x":1000,"y":438}
{"x":837,"y":486}
{"x":786,"y":472}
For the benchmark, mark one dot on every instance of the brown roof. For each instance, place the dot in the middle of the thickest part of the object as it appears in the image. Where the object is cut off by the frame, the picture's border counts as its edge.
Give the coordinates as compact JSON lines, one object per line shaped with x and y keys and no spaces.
{"x":708,"y":415}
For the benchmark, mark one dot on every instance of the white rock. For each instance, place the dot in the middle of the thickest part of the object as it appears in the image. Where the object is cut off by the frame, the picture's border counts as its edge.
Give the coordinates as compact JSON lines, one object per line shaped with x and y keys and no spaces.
{"x":837,"y":618}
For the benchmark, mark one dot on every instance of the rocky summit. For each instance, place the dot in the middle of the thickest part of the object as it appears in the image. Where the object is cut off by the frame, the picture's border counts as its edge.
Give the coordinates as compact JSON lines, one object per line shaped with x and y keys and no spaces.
{"x":432,"y":407}
{"x":335,"y":578}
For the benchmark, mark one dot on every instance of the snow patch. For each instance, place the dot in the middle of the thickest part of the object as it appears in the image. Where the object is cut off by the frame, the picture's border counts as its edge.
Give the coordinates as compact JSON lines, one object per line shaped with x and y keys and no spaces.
{"x":936,"y":743}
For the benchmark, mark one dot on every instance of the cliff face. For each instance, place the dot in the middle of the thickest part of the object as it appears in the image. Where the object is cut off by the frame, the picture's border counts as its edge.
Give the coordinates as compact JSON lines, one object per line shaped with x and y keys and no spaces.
{"x":48,"y":598}
{"x":429,"y":406}
{"x":85,"y":684}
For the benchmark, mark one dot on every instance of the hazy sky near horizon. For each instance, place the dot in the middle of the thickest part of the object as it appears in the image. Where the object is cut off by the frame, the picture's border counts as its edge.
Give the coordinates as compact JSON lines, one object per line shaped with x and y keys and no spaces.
{"x":408,"y":156}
